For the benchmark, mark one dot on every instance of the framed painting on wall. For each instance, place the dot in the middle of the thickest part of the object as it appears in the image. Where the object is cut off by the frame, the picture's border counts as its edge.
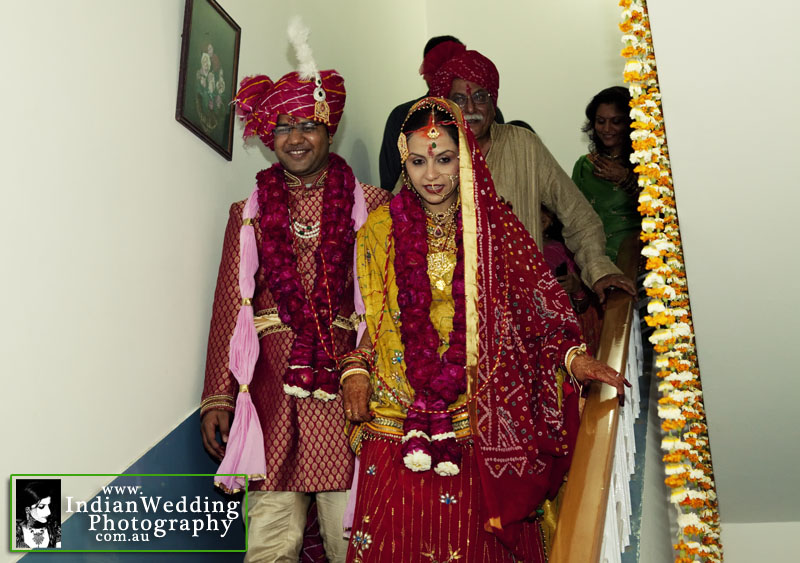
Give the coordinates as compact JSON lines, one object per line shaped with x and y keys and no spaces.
{"x":208,"y":74}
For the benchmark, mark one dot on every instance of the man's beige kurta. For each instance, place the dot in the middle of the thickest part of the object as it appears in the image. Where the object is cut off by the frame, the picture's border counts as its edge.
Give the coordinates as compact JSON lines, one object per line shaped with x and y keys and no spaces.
{"x":527,"y":175}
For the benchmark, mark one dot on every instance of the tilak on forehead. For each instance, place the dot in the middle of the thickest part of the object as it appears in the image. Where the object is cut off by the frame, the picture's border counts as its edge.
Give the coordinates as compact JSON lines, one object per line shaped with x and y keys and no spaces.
{"x":430,"y":130}
{"x":432,"y":134}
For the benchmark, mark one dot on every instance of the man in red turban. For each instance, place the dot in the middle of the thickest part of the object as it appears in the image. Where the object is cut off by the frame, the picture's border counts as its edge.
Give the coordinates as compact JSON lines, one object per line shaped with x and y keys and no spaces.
{"x":284,"y":314}
{"x":525,"y":173}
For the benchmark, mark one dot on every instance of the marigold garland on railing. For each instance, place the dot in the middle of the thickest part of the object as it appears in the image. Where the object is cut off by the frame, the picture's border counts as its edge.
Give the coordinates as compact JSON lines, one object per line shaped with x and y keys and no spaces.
{"x":687,"y":460}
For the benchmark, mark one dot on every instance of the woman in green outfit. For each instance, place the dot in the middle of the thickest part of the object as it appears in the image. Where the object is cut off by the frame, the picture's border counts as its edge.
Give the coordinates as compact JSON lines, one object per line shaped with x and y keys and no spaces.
{"x":605,"y":175}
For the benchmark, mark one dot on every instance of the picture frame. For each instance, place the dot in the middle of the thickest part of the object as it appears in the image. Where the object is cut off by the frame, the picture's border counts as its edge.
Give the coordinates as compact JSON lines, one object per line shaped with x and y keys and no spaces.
{"x":208,"y":74}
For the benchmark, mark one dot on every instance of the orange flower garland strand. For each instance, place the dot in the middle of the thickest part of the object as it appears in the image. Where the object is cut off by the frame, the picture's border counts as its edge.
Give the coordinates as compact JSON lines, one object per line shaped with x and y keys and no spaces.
{"x":687,"y":461}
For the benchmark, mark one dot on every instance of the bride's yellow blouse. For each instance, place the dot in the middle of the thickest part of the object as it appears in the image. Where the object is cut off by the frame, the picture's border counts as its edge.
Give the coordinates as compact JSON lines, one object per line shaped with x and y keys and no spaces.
{"x":372,"y":243}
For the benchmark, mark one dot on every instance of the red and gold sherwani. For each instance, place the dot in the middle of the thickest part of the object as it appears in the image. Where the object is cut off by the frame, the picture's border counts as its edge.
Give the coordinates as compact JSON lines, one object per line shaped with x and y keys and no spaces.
{"x":304,"y":442}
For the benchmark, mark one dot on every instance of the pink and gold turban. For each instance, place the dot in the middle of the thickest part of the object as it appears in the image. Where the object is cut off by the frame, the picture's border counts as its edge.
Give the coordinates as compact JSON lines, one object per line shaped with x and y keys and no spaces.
{"x":259,"y":101}
{"x":467,"y":65}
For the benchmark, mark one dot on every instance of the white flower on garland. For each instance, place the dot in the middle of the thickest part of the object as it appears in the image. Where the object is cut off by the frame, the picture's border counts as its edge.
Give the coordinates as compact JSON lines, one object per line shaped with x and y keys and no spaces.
{"x":669,"y":293}
{"x":688,"y":412}
{"x":689,"y":520}
{"x":684,"y":347}
{"x":671,"y":443}
{"x":669,"y":412}
{"x":649,"y":225}
{"x":415,"y":434}
{"x":665,"y":244}
{"x":675,"y":264}
{"x":678,"y":312}
{"x":685,"y":395}
{"x":446,"y":468}
{"x":653,"y":279}
{"x":682,"y":494}
{"x":660,"y":335}
{"x":665,"y":387}
{"x":417,"y":461}
{"x":295,"y":391}
{"x":323,"y":395}
{"x":638,"y":115}
{"x":694,"y":545}
{"x":681,"y":329}
{"x":699,"y":475}
{"x":676,"y":468}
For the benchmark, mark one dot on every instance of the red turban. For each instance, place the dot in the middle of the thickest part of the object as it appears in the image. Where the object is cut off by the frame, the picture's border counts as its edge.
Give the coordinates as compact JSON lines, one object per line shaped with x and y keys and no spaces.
{"x":259,"y":101}
{"x":467,"y":65}
{"x":437,"y":56}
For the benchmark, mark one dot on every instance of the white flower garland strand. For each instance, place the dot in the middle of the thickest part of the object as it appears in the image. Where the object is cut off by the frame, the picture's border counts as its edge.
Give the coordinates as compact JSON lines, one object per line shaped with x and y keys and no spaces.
{"x":687,"y":455}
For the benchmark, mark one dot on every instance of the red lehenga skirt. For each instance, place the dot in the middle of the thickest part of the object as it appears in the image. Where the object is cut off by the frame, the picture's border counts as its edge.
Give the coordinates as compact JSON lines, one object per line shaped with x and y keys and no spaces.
{"x":408,"y":517}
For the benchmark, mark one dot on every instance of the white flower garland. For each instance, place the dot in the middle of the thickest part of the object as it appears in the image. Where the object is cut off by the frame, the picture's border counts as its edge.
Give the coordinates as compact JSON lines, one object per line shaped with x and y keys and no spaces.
{"x":688,"y":456}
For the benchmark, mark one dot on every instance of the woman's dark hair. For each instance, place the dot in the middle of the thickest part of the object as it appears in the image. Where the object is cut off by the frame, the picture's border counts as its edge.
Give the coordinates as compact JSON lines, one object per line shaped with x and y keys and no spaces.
{"x":419,"y":119}
{"x":554,"y":231}
{"x":31,"y":494}
{"x":619,"y":97}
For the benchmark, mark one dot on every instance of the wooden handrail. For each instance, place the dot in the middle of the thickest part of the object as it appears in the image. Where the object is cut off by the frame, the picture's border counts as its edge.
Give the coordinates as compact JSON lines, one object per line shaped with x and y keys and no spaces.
{"x":579,"y":533}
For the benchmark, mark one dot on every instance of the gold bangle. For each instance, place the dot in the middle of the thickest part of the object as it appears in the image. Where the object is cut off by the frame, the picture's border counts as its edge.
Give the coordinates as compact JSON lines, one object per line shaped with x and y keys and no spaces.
{"x":352,"y":371}
{"x":573,"y":353}
{"x":353,"y":360}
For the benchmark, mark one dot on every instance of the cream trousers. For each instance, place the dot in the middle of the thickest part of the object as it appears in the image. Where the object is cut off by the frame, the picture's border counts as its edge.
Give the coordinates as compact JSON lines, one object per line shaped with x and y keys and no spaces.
{"x":277,"y":520}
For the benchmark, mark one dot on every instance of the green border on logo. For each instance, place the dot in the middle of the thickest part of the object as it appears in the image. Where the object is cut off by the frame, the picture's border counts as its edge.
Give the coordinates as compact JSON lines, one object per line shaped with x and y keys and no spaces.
{"x":12,"y":532}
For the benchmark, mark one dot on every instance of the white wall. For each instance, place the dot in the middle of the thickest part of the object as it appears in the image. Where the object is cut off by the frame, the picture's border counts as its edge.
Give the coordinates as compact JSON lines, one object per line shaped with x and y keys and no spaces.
{"x":110,"y":224}
{"x":732,"y":118}
{"x":776,"y":542}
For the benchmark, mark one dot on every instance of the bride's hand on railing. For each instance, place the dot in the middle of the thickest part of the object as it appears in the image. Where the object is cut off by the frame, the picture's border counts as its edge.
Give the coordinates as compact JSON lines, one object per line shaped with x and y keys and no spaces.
{"x":586,"y":369}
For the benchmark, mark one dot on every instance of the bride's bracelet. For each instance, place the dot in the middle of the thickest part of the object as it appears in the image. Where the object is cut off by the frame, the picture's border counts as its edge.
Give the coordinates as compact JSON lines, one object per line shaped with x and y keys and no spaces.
{"x":352,"y":371}
{"x":573,"y":353}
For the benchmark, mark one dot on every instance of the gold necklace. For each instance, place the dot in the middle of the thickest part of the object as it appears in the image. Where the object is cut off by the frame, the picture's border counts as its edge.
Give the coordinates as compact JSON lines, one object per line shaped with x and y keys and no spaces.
{"x":439,"y":217}
{"x":438,"y":231}
{"x":442,"y":257}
